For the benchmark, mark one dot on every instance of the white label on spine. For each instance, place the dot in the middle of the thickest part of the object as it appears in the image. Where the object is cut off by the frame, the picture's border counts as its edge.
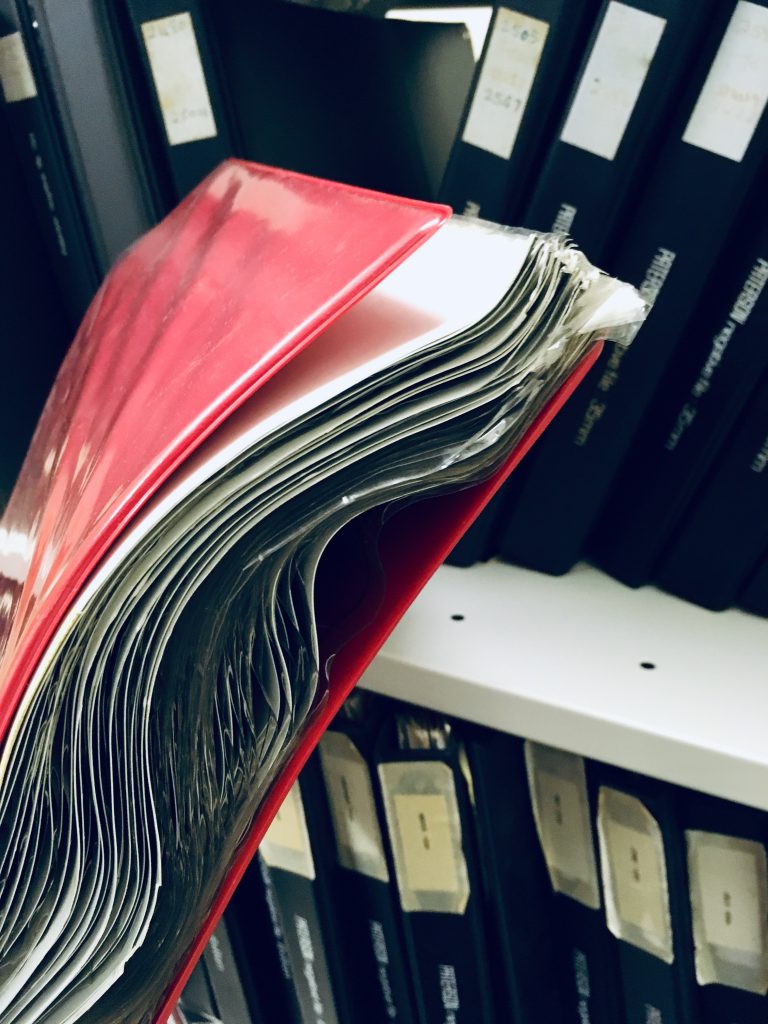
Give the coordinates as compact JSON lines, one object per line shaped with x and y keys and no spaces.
{"x":732,"y":901}
{"x":179,"y":78}
{"x":353,"y":808}
{"x":505,"y":81}
{"x":634,"y":874}
{"x":16,"y":76}
{"x":424,"y":825}
{"x":565,"y":822}
{"x":637,"y":883}
{"x":609,"y":88}
{"x":558,"y":788}
{"x":286,"y":844}
{"x":728,"y":879}
{"x":735,"y":93}
{"x":422,"y":811}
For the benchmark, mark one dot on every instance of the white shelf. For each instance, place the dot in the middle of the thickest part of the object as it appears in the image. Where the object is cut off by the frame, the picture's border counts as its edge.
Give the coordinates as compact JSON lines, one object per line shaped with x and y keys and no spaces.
{"x":559,"y":660}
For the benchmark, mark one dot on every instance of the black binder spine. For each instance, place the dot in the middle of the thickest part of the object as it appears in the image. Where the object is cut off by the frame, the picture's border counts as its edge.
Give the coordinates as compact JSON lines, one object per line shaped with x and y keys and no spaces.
{"x":728,"y":887}
{"x":646,"y":895}
{"x":288,"y":1000}
{"x":565,"y":825}
{"x":196,"y":1000}
{"x":179,"y":89}
{"x":479,"y":542}
{"x":625,"y":90}
{"x":95,"y":124}
{"x":722,"y":535}
{"x":521,"y":907}
{"x":297,"y":851}
{"x":708,"y":385}
{"x":366,"y":900}
{"x":43,"y":158}
{"x":698,"y":185}
{"x":256,"y":935}
{"x":35,"y":329}
{"x":224,"y":978}
{"x":517,"y":94}
{"x":755,"y":594}
{"x":429,"y":820}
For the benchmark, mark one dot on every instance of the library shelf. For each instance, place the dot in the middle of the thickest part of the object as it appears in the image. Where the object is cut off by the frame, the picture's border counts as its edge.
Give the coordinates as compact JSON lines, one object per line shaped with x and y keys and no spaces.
{"x":636,"y":678}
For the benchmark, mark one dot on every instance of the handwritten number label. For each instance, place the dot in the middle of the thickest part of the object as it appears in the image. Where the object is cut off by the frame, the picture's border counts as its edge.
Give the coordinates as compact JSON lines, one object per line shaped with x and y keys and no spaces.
{"x":508,"y":71}
{"x":177,"y":71}
{"x":735,"y":93}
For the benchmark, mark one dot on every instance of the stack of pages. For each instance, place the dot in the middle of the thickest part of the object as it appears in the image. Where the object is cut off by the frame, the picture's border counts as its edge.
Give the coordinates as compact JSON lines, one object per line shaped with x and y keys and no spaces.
{"x":193,"y":542}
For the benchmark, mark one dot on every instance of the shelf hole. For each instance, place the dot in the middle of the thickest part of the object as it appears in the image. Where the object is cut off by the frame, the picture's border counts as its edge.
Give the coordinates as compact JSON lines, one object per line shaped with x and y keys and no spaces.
{"x":457,"y":618}
{"x":647,"y":664}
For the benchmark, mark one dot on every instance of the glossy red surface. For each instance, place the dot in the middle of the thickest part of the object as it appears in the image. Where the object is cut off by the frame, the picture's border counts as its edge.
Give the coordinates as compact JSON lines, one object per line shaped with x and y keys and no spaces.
{"x":193,"y":319}
{"x":190,"y":323}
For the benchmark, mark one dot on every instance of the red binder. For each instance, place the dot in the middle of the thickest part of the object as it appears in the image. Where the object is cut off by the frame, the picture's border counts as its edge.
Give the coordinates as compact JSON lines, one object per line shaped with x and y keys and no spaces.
{"x":195,"y":318}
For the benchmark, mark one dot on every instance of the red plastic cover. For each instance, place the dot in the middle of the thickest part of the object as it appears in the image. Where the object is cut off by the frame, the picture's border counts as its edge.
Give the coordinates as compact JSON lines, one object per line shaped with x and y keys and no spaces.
{"x":192,"y":347}
{"x":169,"y":349}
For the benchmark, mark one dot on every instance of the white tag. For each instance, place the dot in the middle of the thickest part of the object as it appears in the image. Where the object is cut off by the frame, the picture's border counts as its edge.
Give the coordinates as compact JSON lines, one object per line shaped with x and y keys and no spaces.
{"x":610,"y":85}
{"x":505,"y":82}
{"x":734,"y":95}
{"x":729,"y":901}
{"x":564,"y":821}
{"x":353,"y":809}
{"x":424,"y":825}
{"x":731,"y":908}
{"x":640,"y":898}
{"x":634,"y":874}
{"x":286,"y":844}
{"x":425,"y":828}
{"x":16,"y":76}
{"x":179,"y":78}
{"x":558,"y":789}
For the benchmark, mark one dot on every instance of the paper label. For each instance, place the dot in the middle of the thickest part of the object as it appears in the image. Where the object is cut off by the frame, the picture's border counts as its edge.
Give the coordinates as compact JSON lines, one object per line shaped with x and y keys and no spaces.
{"x":558,"y":787}
{"x":422,"y":810}
{"x":610,"y":85}
{"x":641,"y":899}
{"x":177,"y":70}
{"x":286,"y":844}
{"x":635,"y":874}
{"x":565,"y":823}
{"x":734,"y":95}
{"x":16,"y":76}
{"x":728,"y":879}
{"x":353,"y":809}
{"x":505,"y":81}
{"x":424,"y":824}
{"x":732,"y":902}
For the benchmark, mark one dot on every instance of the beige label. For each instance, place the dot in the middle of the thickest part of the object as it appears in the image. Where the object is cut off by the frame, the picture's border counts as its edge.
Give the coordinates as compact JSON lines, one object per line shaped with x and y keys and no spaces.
{"x":353,"y":809}
{"x":610,"y":86}
{"x":635,"y":874}
{"x":734,"y":95}
{"x":640,"y":896}
{"x":179,"y":78}
{"x":564,"y":822}
{"x":733,"y":901}
{"x":422,"y":812}
{"x":729,"y":904}
{"x":286,"y":844}
{"x":429,"y":860}
{"x":558,"y":787}
{"x":16,"y":76}
{"x":505,"y":82}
